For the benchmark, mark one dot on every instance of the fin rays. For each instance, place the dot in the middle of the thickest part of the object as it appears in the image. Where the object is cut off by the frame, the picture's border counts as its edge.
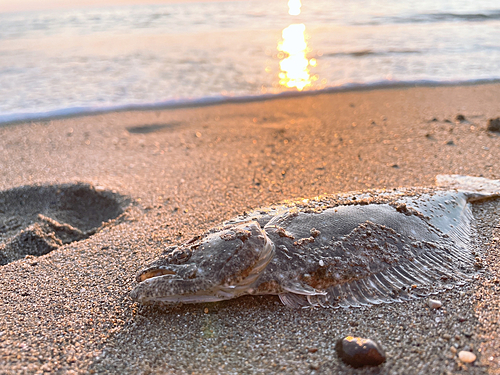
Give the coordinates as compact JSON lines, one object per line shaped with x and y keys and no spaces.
{"x":424,"y":276}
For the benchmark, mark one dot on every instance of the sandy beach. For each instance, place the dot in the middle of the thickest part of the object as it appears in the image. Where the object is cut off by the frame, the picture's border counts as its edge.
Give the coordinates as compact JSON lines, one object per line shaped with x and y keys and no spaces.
{"x":157,"y":178}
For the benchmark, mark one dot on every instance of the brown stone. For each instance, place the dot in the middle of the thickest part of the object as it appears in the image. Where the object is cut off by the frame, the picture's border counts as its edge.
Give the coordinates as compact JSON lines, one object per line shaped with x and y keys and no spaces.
{"x":494,"y":124}
{"x":358,"y":352}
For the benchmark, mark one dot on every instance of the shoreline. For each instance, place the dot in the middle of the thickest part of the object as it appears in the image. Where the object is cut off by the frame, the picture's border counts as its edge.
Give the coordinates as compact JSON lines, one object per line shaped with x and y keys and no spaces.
{"x":189,"y":169}
{"x":172,"y":104}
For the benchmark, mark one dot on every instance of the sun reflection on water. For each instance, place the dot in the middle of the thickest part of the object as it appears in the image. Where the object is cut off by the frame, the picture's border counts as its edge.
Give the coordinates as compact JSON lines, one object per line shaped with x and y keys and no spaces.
{"x":293,"y":50}
{"x":294,"y":7}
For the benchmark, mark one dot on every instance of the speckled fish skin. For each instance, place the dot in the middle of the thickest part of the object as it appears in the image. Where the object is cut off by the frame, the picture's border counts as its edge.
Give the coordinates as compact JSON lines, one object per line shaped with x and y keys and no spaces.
{"x":344,"y":250}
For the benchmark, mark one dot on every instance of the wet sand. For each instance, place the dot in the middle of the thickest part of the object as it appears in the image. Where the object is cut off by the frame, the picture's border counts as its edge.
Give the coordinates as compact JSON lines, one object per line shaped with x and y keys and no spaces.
{"x":186,"y":170}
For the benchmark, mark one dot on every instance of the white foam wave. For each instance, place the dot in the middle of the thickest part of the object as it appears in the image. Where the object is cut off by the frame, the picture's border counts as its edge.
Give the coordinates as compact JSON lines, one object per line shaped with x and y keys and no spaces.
{"x":11,"y":118}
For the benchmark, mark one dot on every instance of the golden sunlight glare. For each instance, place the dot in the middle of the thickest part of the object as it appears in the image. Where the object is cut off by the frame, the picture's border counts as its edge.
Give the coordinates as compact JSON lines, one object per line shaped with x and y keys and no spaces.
{"x":294,"y":67}
{"x":294,"y":7}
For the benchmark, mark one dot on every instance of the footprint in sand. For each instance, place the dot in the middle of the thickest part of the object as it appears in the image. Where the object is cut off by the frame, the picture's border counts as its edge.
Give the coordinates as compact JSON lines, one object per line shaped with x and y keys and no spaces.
{"x":34,"y":220}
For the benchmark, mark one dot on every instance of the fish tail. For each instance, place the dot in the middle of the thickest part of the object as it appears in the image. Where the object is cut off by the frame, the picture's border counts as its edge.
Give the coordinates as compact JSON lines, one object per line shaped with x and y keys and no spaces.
{"x":476,"y":188}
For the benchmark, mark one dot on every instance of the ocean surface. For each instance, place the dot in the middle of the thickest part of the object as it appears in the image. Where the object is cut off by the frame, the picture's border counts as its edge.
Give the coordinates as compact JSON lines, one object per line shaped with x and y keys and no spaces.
{"x":71,"y":61}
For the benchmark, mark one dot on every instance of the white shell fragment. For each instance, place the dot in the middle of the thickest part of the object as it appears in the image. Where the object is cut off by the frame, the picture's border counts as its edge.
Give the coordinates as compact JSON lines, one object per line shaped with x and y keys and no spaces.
{"x":466,"y":356}
{"x":434,"y":304}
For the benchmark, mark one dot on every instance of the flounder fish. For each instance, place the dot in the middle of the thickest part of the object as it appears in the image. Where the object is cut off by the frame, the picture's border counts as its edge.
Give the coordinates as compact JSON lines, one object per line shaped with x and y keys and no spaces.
{"x":353,"y":249}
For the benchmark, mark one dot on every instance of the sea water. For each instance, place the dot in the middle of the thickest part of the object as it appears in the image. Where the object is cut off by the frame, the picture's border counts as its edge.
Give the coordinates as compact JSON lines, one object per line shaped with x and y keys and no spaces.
{"x":70,"y":61}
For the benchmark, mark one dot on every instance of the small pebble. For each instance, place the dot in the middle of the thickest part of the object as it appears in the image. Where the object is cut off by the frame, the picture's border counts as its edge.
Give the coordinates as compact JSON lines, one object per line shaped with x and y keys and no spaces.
{"x":358,"y":352}
{"x":460,"y":118}
{"x":314,"y":232}
{"x":314,"y":366}
{"x":494,"y":124}
{"x":434,"y":304}
{"x":466,"y":357}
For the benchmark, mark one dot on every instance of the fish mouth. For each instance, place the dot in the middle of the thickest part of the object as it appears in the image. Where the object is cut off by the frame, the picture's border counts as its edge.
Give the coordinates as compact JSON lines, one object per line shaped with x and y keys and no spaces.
{"x":189,"y":291}
{"x":162,"y":284}
{"x":153,"y":272}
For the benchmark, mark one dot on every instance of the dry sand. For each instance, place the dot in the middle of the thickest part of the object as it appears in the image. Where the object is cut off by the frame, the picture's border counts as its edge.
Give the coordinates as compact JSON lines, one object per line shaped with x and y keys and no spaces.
{"x":189,"y":169}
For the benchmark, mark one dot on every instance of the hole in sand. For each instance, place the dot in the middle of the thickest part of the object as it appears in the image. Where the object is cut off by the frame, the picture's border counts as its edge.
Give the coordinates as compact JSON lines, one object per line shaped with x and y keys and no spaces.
{"x":152,"y":128}
{"x":34,"y":220}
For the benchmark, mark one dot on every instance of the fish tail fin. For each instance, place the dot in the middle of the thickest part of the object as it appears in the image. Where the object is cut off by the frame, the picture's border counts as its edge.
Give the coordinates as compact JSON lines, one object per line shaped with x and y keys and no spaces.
{"x":476,"y":188}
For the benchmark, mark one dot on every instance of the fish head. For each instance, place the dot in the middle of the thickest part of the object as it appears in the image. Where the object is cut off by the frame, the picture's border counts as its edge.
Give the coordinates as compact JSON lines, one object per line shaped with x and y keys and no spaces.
{"x":220,"y":265}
